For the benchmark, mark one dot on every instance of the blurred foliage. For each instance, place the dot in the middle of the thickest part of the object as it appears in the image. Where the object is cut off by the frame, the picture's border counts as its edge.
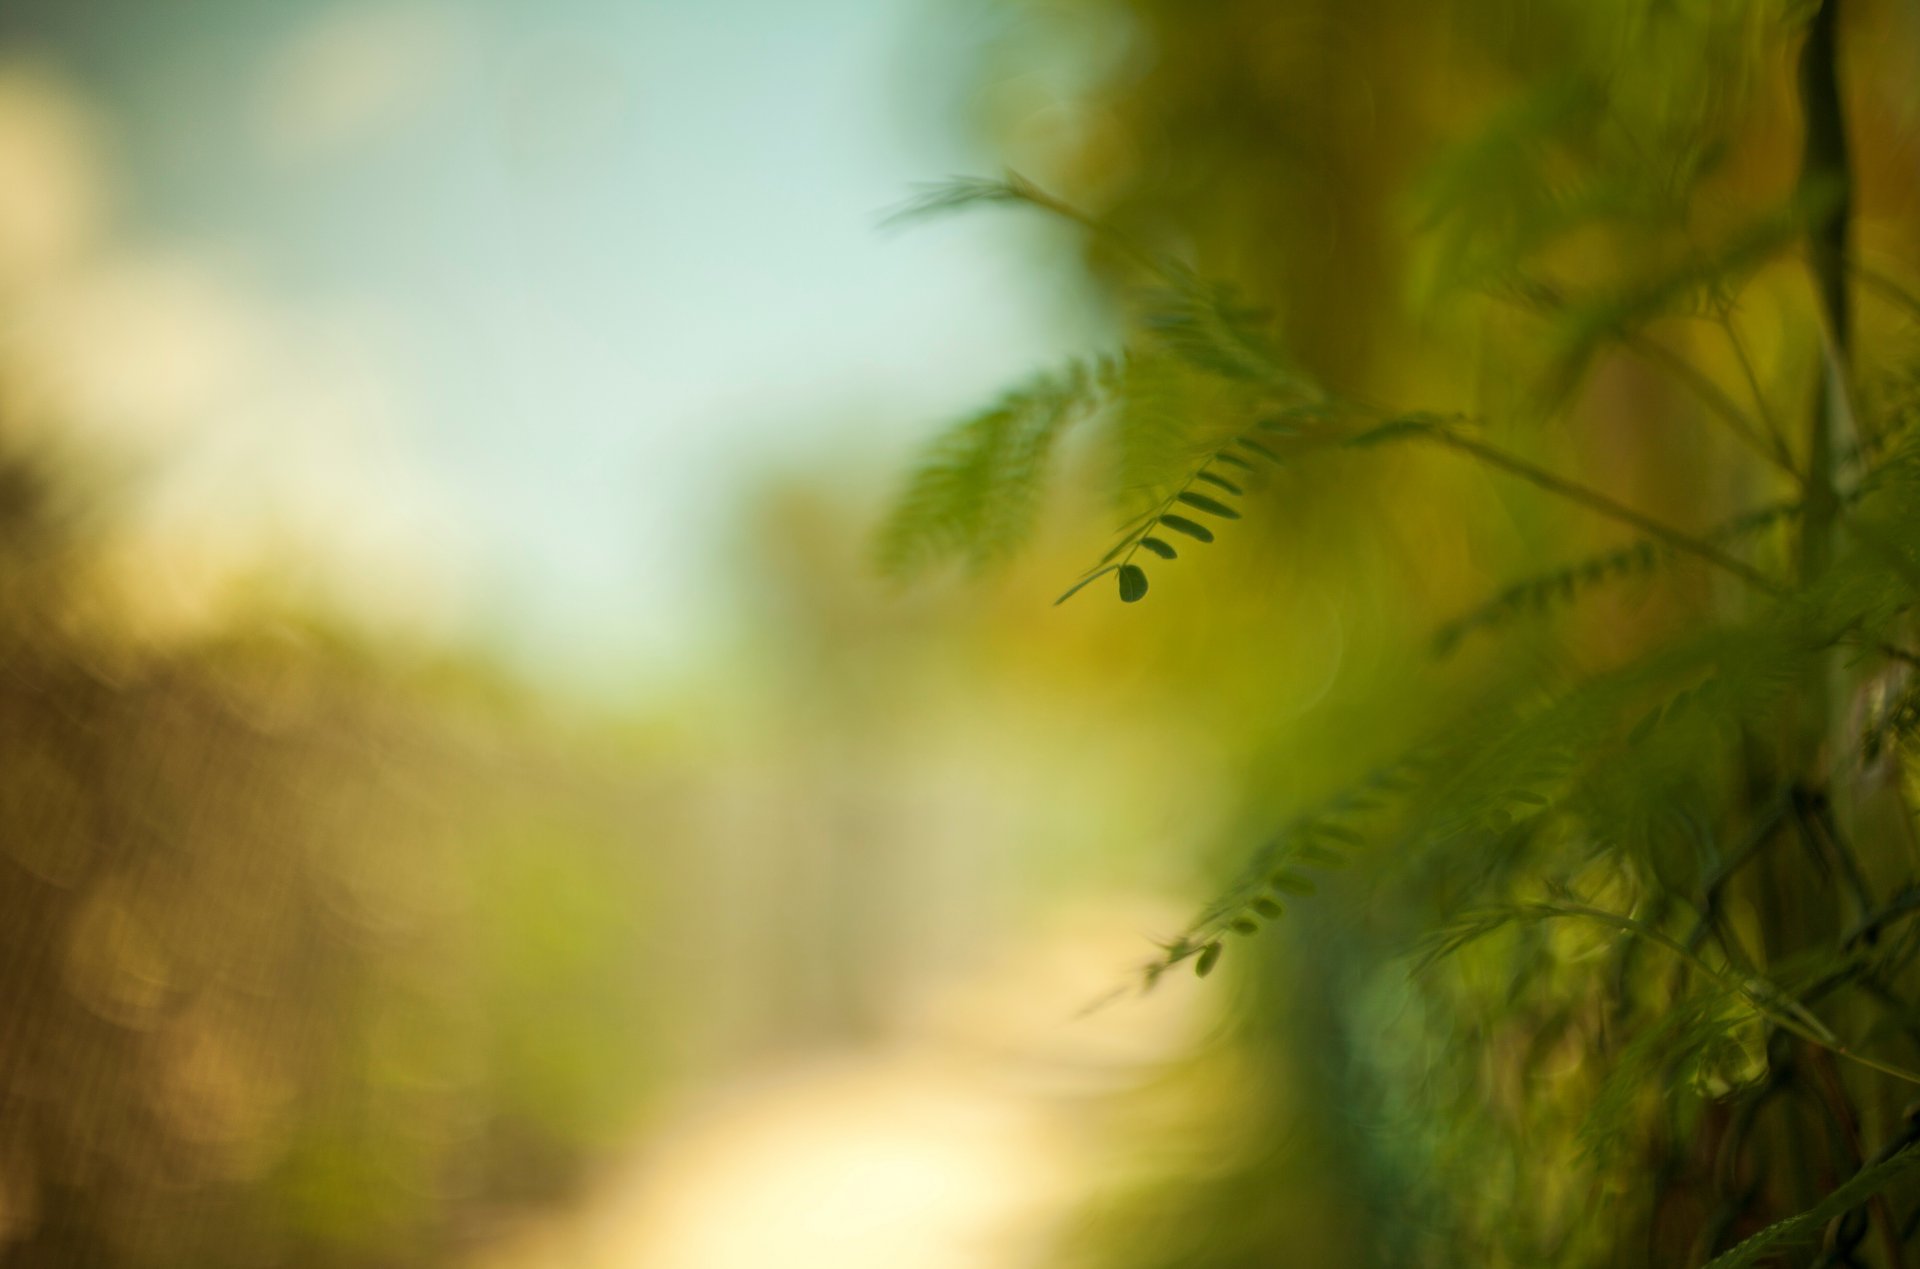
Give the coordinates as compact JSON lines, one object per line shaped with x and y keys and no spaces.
{"x":326,"y":948}
{"x":1567,"y":339}
{"x":311,"y":955}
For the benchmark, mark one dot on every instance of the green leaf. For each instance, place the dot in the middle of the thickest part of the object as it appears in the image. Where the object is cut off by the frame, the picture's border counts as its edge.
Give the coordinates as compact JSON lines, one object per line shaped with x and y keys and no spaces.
{"x":1321,"y":857}
{"x":1267,"y":907}
{"x":1219,"y":482}
{"x":1291,"y":883}
{"x":1180,"y":524}
{"x":1245,"y":925}
{"x":1233,"y":460}
{"x":1209,"y":956}
{"x":1247,"y":442}
{"x":1159,"y":548}
{"x":1211,"y":506}
{"x":1133,"y":583}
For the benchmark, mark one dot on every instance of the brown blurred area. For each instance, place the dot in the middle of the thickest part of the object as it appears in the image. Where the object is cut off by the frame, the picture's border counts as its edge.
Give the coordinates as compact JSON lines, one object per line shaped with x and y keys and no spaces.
{"x":260,"y":912}
{"x":319,"y":951}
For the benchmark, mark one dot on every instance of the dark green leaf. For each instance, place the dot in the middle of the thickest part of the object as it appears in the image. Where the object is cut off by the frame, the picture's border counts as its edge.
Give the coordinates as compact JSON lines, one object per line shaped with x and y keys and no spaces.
{"x":1209,"y":956}
{"x":1291,"y":883}
{"x":1211,"y":506}
{"x":1233,"y":460}
{"x":1159,"y":548}
{"x":1133,"y":583}
{"x":1180,"y":524}
{"x":1266,"y":907}
{"x":1248,"y":442}
{"x":1245,"y":925}
{"x":1219,"y":482}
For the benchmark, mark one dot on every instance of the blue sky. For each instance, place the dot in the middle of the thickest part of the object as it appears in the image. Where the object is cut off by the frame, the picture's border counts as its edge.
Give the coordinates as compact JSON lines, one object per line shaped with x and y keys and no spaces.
{"x":604,"y":264}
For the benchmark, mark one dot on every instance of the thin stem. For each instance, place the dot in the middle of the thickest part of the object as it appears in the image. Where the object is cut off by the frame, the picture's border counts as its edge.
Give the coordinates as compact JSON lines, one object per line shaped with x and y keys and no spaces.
{"x":1823,"y":838}
{"x":1775,"y":433}
{"x":1027,"y":191}
{"x":1718,"y":403}
{"x":1789,"y":1015}
{"x":1715,"y":398}
{"x":1594,"y":500}
{"x":1824,"y":164}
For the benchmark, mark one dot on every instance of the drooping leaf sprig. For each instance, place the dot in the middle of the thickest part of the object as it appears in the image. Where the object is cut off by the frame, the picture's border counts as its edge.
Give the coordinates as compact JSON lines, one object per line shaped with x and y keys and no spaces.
{"x":1284,"y":865}
{"x":972,"y":493}
{"x":1205,"y":491}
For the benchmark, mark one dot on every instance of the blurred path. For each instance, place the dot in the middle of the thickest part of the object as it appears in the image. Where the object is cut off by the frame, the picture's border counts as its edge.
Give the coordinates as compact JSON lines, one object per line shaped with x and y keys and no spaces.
{"x":962,"y":1145}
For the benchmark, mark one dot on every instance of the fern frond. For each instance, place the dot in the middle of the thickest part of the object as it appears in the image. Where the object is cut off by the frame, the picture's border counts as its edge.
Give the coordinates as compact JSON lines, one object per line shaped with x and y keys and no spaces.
{"x":1283,"y":867}
{"x":961,"y":193}
{"x":1202,"y":490}
{"x":1200,"y":320}
{"x":966,"y":192}
{"x":1208,"y":325}
{"x":1474,"y":798}
{"x":972,"y":497}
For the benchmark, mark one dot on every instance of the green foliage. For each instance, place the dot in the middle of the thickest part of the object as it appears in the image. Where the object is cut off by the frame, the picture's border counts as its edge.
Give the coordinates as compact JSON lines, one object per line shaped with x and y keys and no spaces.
{"x":1807,"y":1225}
{"x":1659,"y":881}
{"x":1542,"y":592}
{"x":281,"y":962}
{"x":973,"y":497}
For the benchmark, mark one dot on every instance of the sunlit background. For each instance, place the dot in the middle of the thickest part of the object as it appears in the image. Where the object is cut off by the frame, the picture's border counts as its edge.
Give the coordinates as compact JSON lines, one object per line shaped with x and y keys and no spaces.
{"x":447,"y":437}
{"x":494,"y":311}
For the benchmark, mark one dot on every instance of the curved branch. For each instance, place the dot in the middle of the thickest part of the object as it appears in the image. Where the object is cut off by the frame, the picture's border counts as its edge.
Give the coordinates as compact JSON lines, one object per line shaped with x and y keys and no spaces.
{"x":1594,"y":500}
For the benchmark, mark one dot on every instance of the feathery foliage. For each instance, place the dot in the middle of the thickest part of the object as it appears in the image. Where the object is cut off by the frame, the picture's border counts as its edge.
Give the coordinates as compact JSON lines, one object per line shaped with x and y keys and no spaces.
{"x":974,"y":495}
{"x":1660,"y":889}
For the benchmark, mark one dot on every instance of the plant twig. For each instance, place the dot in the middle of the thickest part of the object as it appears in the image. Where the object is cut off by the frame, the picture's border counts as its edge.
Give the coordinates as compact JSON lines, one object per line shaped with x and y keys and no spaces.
{"x":1594,"y":500}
